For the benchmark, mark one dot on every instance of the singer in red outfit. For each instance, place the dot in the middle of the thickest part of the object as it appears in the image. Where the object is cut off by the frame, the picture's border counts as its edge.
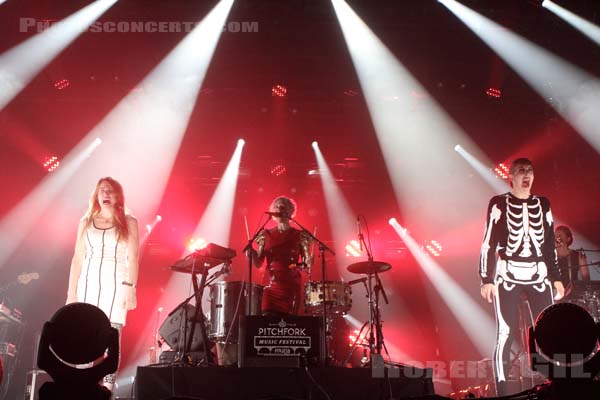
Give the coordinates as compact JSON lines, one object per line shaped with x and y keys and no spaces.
{"x":286,"y":250}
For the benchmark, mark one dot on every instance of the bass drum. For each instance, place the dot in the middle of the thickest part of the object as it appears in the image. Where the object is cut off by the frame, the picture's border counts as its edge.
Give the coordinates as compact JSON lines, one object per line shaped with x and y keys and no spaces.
{"x":228,"y":301}
{"x":337,"y":295}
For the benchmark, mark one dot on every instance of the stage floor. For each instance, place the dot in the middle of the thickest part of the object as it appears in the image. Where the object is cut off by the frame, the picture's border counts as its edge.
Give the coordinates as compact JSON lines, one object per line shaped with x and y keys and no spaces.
{"x":208,"y":383}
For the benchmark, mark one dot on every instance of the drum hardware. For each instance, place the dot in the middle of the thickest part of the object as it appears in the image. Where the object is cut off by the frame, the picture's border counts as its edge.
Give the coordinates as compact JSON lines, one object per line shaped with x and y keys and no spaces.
{"x":199,"y":262}
{"x":322,"y":249}
{"x":587,"y":295}
{"x":374,"y":289}
{"x":337,"y":297}
{"x":247,"y":251}
{"x":369,"y":267}
{"x":10,"y":315}
{"x":226,"y":300}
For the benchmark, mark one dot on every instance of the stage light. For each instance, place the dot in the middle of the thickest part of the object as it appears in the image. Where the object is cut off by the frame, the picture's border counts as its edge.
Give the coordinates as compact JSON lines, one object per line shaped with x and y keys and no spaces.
{"x":279,"y":91}
{"x":458,"y":147}
{"x":215,"y":223}
{"x":357,"y":337}
{"x":563,"y":345}
{"x":474,"y":320}
{"x":315,"y":145}
{"x":98,"y":141}
{"x":584,"y":26}
{"x":51,"y":163}
{"x":20,"y":64}
{"x":501,"y":171}
{"x":494,"y":92}
{"x":149,"y":228}
{"x":433,"y":247}
{"x":353,"y":249}
{"x":241,"y":142}
{"x":396,"y":225}
{"x":571,"y":91}
{"x":395,"y":98}
{"x":77,"y":348}
{"x":62,"y":84}
{"x":278,"y":170}
{"x":341,"y":216}
{"x":197,"y":244}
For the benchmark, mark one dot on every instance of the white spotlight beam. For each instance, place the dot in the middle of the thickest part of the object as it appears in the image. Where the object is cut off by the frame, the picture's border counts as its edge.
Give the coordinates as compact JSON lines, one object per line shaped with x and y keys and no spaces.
{"x":142,"y":134}
{"x":215,"y":224}
{"x":484,"y":171}
{"x":339,"y":212}
{"x":415,"y":135}
{"x":572,"y":92}
{"x":584,"y":26}
{"x":158,"y":116}
{"x":477,"y":324}
{"x":21,"y":219}
{"x":19,"y":65}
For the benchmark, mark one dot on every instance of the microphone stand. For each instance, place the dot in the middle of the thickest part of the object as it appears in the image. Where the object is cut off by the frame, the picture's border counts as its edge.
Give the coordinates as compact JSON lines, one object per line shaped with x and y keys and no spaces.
{"x":322,"y":249}
{"x":250,"y":262}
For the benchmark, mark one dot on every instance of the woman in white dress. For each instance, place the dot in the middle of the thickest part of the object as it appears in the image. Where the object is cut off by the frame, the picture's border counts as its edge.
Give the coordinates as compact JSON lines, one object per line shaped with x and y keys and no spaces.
{"x":104,"y":269}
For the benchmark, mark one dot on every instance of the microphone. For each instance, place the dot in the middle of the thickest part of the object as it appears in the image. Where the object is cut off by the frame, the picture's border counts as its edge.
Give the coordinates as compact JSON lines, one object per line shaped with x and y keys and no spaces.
{"x":359,"y":233}
{"x":278,"y":214}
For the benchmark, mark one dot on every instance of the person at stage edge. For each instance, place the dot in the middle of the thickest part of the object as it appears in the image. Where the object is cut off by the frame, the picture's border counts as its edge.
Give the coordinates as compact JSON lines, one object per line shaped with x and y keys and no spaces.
{"x":518,"y":259}
{"x":286,"y":250}
{"x":571,"y":263}
{"x":104,"y":268}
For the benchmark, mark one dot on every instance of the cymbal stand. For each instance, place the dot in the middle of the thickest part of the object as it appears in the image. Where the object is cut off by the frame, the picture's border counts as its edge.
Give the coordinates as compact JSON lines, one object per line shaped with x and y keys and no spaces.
{"x":322,"y":249}
{"x":375,"y":326}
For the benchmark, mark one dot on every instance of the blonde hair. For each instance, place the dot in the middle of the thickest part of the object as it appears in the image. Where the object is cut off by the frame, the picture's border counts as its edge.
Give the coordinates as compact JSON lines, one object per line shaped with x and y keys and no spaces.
{"x":120,"y":216}
{"x":290,"y":204}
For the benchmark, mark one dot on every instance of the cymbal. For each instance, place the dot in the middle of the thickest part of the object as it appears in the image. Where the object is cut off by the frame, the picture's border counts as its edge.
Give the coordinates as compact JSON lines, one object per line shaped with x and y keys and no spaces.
{"x":368,"y":267}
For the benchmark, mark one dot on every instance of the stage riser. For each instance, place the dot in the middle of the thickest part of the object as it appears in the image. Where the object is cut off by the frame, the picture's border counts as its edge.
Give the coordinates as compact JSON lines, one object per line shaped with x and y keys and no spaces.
{"x":218,"y":383}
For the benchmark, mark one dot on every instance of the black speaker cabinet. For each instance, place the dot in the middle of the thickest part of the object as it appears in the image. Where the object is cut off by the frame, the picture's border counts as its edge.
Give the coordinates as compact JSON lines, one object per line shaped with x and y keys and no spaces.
{"x":175,"y":332}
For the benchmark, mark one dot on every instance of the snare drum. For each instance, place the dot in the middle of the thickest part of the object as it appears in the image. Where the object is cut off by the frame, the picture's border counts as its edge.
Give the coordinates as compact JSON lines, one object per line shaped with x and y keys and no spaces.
{"x":337,"y":296}
{"x":228,"y":300}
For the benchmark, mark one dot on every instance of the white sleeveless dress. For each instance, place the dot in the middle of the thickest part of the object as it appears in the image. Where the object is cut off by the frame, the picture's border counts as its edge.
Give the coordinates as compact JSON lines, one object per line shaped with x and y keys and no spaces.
{"x":103,"y":273}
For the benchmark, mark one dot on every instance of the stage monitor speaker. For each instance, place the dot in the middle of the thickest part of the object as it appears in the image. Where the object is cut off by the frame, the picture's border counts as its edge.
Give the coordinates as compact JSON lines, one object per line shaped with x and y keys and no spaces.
{"x":173,"y":329}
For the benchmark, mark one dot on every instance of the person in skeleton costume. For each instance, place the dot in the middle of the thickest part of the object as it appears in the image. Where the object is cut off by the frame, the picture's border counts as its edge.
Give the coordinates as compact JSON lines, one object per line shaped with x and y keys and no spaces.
{"x":520,"y":231}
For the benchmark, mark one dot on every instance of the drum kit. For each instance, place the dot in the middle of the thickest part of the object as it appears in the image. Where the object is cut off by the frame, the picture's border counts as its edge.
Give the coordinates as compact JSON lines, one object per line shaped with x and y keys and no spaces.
{"x":587,"y":295}
{"x":229,"y":300}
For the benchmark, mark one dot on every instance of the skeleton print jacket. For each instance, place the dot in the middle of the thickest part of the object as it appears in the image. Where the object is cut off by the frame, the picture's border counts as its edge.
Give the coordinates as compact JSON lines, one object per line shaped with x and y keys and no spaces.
{"x":521,"y":232}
